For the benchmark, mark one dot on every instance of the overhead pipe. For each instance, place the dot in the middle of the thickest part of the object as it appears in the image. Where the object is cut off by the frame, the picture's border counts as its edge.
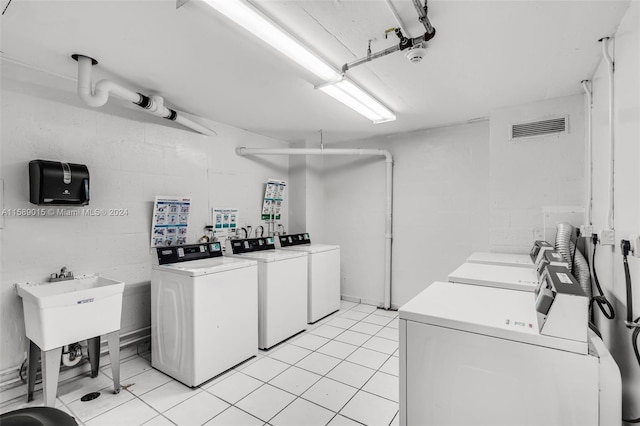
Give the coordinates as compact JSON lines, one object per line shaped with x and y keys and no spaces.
{"x":395,"y":14}
{"x":405,"y":42}
{"x":589,"y":202}
{"x":422,"y":16}
{"x":388,"y":198}
{"x":605,"y":52}
{"x":100,"y":95}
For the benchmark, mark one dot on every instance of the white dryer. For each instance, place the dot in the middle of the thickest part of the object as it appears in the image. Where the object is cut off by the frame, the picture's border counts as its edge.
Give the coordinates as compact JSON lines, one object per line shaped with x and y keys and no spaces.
{"x":502,"y":259}
{"x":478,"y":355}
{"x":282,"y":288}
{"x":323,"y":290}
{"x":511,"y":259}
{"x":508,"y":277}
{"x":204,"y":312}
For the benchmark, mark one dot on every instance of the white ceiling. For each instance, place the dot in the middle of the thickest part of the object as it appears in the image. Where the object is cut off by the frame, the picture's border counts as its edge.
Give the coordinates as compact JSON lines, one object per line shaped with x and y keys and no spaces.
{"x":486,"y":55}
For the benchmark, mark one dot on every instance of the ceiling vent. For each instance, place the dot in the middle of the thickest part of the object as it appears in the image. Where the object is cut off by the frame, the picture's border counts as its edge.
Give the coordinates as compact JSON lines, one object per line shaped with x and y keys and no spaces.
{"x":539,"y":128}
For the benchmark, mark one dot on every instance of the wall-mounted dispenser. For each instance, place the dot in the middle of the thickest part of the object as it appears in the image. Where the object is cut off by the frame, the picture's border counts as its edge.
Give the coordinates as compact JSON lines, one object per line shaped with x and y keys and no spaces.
{"x":53,"y":182}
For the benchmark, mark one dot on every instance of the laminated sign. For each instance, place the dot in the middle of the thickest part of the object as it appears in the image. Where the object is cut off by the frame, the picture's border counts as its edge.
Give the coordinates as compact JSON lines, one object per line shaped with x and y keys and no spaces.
{"x":225,"y":221}
{"x":273,"y":198}
{"x":170,"y":221}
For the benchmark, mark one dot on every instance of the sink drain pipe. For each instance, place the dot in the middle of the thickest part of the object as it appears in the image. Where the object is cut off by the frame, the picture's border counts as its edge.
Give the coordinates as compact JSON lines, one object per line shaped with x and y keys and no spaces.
{"x":388,"y":199}
{"x":100,"y":96}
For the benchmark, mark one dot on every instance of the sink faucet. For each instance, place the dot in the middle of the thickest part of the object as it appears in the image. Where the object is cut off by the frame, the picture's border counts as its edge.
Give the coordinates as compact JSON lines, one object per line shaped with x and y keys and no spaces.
{"x":62,"y":276}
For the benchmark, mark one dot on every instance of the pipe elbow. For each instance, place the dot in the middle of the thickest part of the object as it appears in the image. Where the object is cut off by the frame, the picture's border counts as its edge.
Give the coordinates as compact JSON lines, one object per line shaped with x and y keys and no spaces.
{"x":97,"y":100}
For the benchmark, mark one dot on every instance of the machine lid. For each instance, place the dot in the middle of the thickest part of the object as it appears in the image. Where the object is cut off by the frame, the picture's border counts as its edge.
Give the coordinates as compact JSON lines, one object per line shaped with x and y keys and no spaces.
{"x":502,"y":259}
{"x":205,"y":266}
{"x":489,"y":311}
{"x":269,"y":255}
{"x":508,"y":277}
{"x":312,"y":248}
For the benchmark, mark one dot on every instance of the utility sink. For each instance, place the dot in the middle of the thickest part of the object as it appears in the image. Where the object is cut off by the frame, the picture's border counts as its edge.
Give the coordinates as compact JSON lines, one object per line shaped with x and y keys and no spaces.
{"x":63,"y":312}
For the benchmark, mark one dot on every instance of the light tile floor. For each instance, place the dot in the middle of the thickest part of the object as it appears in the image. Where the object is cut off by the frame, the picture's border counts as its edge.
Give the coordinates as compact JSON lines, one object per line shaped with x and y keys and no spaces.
{"x":342,"y":371}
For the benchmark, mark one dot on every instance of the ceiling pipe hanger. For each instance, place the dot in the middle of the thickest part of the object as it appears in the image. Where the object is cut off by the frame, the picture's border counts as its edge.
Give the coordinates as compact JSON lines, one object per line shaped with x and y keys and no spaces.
{"x":405,"y":42}
{"x":100,"y":95}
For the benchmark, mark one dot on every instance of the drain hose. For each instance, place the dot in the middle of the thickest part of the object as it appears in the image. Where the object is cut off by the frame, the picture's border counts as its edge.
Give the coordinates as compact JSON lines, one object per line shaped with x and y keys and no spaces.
{"x":565,"y":246}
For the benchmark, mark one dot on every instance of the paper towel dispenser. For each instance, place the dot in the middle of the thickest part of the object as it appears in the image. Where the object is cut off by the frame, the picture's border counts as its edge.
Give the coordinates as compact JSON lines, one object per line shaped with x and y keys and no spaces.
{"x":53,"y":182}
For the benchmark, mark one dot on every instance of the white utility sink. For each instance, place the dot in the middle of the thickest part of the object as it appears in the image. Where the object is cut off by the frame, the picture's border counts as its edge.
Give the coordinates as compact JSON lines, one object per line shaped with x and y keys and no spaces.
{"x":63,"y":312}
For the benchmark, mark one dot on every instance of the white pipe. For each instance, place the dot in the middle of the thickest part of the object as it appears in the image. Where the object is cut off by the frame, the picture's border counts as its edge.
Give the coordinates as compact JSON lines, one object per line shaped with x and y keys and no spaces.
{"x":397,"y":18}
{"x":388,"y":199}
{"x":609,"y":61}
{"x":100,"y":95}
{"x":589,"y":198}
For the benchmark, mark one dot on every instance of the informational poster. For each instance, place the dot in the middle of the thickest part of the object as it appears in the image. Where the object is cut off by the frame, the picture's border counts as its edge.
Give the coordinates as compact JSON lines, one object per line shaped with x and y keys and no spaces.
{"x":170,"y":221}
{"x":225,"y":221}
{"x":273,"y":199}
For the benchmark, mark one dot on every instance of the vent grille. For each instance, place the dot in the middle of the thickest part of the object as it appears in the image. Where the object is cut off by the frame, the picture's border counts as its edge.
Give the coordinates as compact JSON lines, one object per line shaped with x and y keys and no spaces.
{"x":539,"y":128}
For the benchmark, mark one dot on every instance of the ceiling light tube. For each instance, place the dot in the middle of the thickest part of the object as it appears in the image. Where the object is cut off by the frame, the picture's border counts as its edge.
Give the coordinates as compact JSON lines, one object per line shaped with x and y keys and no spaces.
{"x":339,"y":88}
{"x":357,"y":99}
{"x":260,"y":26}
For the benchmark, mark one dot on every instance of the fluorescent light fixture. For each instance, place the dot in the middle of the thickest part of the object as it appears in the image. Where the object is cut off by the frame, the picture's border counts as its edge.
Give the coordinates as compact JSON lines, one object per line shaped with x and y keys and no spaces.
{"x":341,"y":89}
{"x":358,"y":100}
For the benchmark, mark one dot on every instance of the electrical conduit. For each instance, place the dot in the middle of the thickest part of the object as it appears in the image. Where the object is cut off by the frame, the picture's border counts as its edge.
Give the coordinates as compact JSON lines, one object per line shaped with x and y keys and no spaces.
{"x":589,"y":201}
{"x":605,"y":52}
{"x":100,"y":96}
{"x":388,"y":198}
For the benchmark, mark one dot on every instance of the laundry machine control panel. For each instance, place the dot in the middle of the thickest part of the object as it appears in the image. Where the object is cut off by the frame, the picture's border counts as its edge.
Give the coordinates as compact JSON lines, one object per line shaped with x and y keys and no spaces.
{"x":189,"y":252}
{"x":294,"y":240}
{"x":249,"y":245}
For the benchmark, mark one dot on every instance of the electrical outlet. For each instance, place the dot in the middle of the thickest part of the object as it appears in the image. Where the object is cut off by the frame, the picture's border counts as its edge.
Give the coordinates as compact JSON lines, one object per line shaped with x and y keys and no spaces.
{"x":607,"y":237}
{"x":586,"y":231}
{"x":635,"y":245}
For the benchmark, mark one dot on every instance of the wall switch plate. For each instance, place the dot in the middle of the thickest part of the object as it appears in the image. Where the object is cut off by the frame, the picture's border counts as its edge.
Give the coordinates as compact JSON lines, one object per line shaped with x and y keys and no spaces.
{"x":586,"y":231}
{"x":606,"y":237}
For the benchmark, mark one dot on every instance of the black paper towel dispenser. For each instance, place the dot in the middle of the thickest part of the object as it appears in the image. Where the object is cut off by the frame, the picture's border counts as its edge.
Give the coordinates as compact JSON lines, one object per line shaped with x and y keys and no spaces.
{"x":53,"y":182}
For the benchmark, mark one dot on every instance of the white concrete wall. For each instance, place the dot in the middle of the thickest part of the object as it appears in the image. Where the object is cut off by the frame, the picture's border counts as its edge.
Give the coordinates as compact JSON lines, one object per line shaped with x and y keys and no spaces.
{"x":626,"y":53}
{"x":130,"y":162}
{"x":440,"y":207}
{"x":457,"y":190}
{"x":536,"y":182}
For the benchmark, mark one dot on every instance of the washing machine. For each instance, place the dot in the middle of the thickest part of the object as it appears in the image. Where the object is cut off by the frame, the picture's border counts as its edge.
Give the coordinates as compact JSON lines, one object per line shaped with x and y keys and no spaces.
{"x":323,"y":288}
{"x":204,"y":312}
{"x":473,"y":355}
{"x":282,"y":288}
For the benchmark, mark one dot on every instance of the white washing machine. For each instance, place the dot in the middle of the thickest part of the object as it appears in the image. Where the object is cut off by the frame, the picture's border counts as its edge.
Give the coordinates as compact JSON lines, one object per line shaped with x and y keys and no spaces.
{"x":323,"y":290}
{"x":473,"y":355}
{"x":204,"y":312}
{"x":508,"y":277}
{"x":282,"y":288}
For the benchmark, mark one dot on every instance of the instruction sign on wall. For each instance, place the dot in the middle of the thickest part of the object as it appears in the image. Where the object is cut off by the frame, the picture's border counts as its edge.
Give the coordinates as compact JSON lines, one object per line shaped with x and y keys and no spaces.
{"x":273,"y":199}
{"x":225,"y":221}
{"x":170,"y":221}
